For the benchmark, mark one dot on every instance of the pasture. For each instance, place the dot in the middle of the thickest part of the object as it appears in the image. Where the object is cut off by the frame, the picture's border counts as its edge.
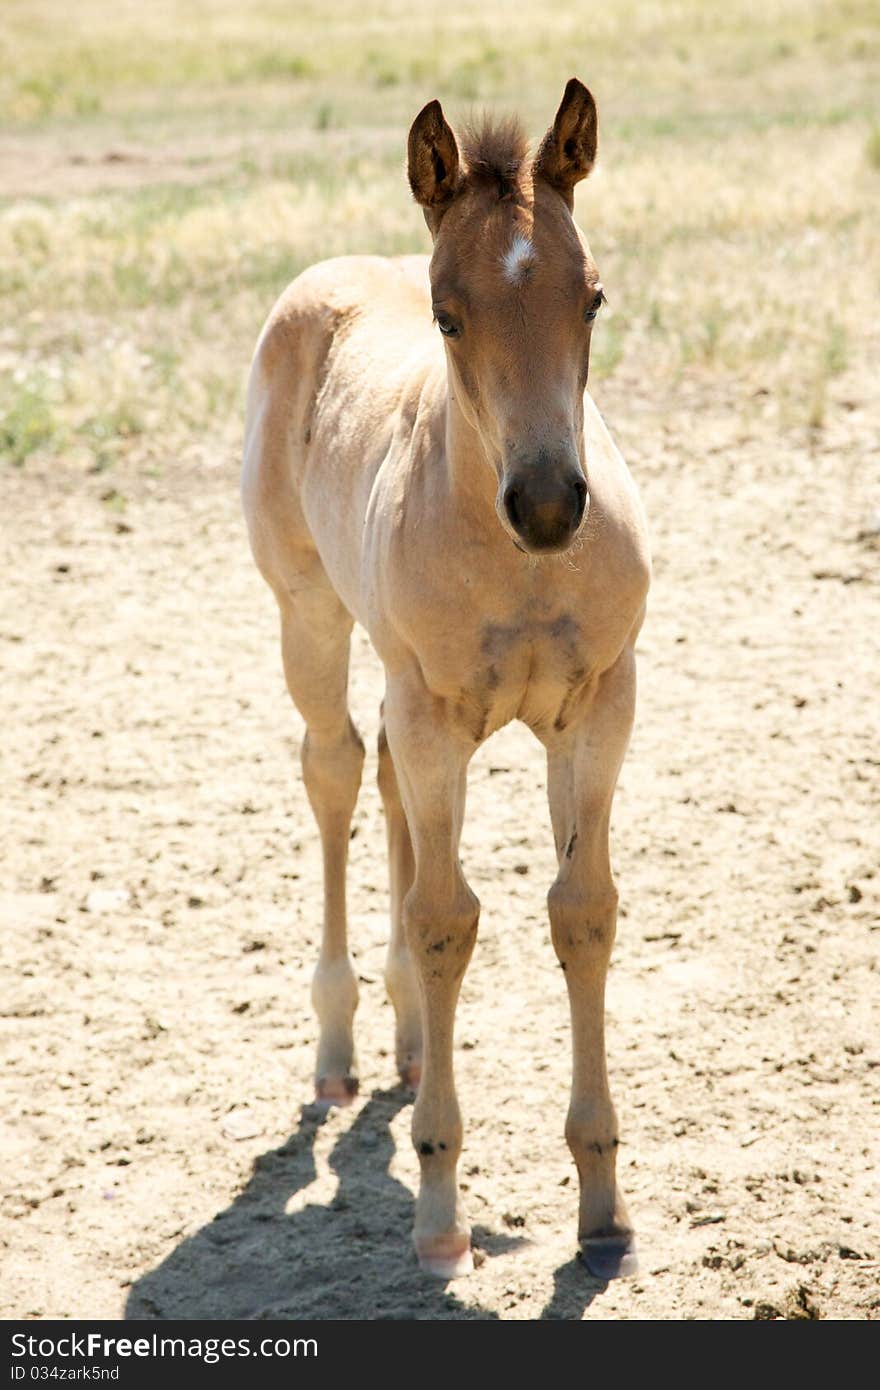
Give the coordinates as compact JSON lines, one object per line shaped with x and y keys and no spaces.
{"x":164,"y":171}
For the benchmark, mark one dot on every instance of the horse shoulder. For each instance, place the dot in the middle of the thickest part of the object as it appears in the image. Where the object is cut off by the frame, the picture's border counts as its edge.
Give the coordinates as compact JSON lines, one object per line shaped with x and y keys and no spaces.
{"x":617,"y":522}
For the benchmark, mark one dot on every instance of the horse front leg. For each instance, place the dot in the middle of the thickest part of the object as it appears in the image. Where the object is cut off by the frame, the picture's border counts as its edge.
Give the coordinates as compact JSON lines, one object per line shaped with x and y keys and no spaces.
{"x":440,"y":916}
{"x":582,"y":775}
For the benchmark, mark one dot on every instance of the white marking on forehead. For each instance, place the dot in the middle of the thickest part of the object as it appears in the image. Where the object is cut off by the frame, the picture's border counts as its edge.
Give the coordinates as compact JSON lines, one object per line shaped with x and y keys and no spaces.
{"x":518,"y":258}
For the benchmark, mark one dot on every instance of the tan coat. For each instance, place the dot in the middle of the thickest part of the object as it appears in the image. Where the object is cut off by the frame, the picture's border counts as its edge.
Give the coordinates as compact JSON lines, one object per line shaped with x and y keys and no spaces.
{"x":452,"y":487}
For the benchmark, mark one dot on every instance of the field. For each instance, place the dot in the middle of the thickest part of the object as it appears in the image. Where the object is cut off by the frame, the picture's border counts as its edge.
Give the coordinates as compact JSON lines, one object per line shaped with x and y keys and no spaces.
{"x":165,"y":170}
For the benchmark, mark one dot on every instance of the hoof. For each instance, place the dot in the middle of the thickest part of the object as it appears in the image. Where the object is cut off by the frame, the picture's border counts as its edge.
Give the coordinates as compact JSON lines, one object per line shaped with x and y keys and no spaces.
{"x":411,"y":1075}
{"x":610,"y":1257}
{"x":335,"y":1090}
{"x":446,"y":1257}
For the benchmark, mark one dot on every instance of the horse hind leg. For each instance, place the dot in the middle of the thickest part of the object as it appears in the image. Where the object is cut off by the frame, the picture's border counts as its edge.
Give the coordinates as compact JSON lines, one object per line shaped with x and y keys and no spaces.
{"x":315,"y":638}
{"x":400,"y":975}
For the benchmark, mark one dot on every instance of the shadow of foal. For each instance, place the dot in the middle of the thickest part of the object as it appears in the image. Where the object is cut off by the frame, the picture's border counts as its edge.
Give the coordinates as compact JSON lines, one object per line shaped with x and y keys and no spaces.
{"x":349,"y":1258}
{"x":574,"y":1289}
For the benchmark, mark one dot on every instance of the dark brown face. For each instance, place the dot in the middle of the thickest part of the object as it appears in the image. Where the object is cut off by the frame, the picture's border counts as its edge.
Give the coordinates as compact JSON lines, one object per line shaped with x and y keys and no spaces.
{"x":515,"y":294}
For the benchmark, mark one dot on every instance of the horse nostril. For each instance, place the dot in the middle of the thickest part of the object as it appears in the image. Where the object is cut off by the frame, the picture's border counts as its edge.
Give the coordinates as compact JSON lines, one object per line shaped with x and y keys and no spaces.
{"x":580,"y":488}
{"x":510,"y":505}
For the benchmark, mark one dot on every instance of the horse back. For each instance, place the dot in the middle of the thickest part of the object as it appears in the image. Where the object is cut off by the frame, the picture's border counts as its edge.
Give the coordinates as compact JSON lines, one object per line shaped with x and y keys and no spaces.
{"x":339,"y":364}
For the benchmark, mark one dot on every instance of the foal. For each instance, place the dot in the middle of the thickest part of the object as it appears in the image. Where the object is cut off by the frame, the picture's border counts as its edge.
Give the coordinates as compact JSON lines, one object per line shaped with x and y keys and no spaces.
{"x":419,"y":446}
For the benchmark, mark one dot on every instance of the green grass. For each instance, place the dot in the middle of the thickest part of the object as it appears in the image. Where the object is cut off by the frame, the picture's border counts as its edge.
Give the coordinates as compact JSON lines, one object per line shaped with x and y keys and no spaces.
{"x":27,"y":418}
{"x":201,"y":154}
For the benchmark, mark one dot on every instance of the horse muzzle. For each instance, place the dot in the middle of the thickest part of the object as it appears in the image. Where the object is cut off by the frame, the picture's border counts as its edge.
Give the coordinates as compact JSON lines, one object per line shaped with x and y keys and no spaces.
{"x":544,"y":509}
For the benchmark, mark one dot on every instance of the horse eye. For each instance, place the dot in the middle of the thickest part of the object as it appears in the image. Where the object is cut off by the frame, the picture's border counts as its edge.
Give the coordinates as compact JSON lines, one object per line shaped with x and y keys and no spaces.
{"x":595,"y":306}
{"x":448,"y":327}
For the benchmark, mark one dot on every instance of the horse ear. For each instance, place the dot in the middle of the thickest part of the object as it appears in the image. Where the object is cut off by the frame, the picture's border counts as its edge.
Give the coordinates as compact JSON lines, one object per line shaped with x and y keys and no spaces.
{"x":568,"y":151}
{"x":432,"y":159}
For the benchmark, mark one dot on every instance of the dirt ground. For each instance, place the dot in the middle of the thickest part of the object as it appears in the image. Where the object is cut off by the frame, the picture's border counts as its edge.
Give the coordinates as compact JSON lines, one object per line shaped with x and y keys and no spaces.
{"x":161,"y":902}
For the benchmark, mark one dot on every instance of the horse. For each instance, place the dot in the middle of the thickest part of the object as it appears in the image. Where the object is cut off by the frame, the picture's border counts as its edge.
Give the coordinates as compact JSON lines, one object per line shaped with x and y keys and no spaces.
{"x":422,"y":457}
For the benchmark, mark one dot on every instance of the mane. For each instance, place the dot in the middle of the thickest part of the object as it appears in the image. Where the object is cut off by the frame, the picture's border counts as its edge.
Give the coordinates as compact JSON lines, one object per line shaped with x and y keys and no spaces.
{"x":494,"y":151}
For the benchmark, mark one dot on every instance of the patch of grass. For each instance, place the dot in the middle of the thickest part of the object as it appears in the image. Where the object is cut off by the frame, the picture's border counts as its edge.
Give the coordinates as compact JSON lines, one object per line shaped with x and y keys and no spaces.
{"x":121,"y":421}
{"x":872,"y":148}
{"x":166,"y":363}
{"x":712,"y":329}
{"x":818,"y":402}
{"x":30,"y":235}
{"x":831,"y":361}
{"x":115,"y":501}
{"x":275,"y":64}
{"x":655,"y":318}
{"x":606,"y":349}
{"x":27,"y":418}
{"x":379,"y":71}
{"x":835,"y":355}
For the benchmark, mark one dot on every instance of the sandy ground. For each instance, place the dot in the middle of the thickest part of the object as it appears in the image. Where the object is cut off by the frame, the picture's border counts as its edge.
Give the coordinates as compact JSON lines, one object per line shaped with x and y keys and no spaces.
{"x":161,"y":905}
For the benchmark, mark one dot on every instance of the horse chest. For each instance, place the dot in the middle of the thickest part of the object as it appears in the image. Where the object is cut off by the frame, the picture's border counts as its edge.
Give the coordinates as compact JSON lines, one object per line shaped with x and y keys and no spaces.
{"x":537,"y":670}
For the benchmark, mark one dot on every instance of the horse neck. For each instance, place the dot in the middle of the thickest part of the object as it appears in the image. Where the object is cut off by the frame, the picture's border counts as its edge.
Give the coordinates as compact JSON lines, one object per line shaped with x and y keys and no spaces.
{"x":473,"y":481}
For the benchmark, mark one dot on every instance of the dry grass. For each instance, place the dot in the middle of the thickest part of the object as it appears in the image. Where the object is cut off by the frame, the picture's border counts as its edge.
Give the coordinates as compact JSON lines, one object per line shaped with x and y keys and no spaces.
{"x":169,"y":167}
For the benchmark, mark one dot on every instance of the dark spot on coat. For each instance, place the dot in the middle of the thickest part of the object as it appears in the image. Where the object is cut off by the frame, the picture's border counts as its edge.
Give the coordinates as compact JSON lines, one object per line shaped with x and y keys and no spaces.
{"x":307,"y":437}
{"x":442,"y":1146}
{"x":564,"y":626}
{"x":497,"y":638}
{"x":465,"y":710}
{"x":426,"y":1148}
{"x":598,"y":1148}
{"x":493,"y":680}
{"x":569,"y":848}
{"x":575,"y":685}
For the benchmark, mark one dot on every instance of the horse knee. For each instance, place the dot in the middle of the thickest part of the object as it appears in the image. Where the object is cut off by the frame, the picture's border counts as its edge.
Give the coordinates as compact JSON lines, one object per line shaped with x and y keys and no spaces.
{"x":582,"y":924}
{"x":591,"y":1130}
{"x":332,"y":767}
{"x":440,"y":928}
